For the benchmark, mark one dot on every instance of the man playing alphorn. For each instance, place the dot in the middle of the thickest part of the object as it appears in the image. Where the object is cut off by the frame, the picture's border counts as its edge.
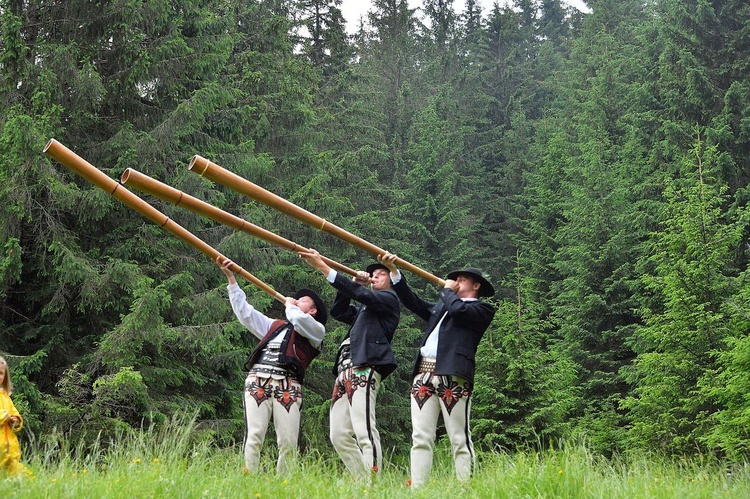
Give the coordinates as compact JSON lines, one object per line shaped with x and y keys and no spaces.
{"x":364,"y":359}
{"x":443,"y":375}
{"x":276,"y":368}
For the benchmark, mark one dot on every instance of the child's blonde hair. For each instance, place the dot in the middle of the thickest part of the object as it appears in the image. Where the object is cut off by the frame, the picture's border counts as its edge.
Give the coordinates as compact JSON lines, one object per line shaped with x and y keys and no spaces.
{"x":7,"y":385}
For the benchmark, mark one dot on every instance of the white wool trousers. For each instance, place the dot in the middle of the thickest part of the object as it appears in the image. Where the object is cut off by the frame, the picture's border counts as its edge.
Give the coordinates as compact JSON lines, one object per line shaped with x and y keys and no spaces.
{"x":354,"y":433}
{"x":431,"y":396}
{"x":264,"y":399}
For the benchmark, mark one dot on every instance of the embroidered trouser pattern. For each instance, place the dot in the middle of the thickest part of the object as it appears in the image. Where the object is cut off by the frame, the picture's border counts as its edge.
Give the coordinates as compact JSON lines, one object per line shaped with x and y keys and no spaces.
{"x":432,"y":396}
{"x":266,"y":398}
{"x":353,"y":433}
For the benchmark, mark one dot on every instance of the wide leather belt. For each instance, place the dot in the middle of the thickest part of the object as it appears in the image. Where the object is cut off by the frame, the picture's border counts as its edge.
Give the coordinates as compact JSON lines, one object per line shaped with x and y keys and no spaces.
{"x":427,"y":365}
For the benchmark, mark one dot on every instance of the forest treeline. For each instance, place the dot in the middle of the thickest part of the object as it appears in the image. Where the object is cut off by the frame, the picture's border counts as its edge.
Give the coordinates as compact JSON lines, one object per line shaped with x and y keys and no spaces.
{"x":595,"y":165}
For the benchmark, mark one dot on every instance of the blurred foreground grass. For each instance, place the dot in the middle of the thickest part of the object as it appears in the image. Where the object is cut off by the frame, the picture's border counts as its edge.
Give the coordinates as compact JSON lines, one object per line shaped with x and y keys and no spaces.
{"x":177,"y":461}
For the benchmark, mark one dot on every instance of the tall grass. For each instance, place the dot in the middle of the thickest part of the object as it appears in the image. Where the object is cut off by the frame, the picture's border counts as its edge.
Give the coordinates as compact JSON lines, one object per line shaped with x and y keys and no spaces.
{"x":177,"y":460}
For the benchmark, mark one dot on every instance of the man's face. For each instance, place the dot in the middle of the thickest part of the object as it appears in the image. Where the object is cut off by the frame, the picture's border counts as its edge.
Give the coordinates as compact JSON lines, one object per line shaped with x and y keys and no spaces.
{"x":381,"y":279}
{"x":307,"y":305}
{"x":467,"y":287}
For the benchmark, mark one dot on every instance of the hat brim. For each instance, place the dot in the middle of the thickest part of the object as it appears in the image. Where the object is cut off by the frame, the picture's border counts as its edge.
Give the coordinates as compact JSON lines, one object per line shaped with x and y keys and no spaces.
{"x":485,"y":289}
{"x":322,"y":314}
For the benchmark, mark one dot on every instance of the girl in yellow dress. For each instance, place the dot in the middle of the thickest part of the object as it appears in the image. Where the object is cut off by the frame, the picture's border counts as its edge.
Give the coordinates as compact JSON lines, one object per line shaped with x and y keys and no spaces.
{"x":11,"y":423}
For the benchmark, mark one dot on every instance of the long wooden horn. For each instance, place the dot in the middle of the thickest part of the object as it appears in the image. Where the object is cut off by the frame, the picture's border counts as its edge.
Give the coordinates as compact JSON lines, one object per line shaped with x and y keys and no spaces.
{"x":144,"y":183}
{"x":62,"y":154}
{"x":216,"y":173}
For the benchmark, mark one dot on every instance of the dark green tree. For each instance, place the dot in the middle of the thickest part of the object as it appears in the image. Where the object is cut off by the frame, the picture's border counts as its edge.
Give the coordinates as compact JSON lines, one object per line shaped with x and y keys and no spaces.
{"x":703,"y":79}
{"x":388,"y":64}
{"x":121,"y":320}
{"x":326,"y":45}
{"x":588,"y":204}
{"x":524,"y":388}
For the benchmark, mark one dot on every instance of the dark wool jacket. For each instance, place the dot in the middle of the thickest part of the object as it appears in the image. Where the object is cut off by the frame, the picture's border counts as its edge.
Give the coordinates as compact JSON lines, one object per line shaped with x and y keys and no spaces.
{"x":372,"y":324}
{"x":460,"y":331}
{"x":296,"y":350}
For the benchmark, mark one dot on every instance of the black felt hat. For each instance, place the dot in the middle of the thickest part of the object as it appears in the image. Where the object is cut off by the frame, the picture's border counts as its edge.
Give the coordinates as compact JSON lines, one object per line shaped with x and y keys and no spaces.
{"x":375,"y":266}
{"x":322,"y":315}
{"x":485,"y":289}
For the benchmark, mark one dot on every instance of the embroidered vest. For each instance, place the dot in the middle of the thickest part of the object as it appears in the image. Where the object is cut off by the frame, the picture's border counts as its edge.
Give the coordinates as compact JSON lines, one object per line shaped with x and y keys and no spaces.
{"x":294,"y":356}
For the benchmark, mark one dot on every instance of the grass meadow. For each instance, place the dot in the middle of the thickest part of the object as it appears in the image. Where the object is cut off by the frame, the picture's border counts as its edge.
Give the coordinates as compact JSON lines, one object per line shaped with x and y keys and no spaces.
{"x":174,"y":461}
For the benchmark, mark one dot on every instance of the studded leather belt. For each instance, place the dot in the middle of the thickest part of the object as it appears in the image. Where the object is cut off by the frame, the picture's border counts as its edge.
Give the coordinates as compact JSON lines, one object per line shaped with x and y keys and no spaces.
{"x":427,"y":365}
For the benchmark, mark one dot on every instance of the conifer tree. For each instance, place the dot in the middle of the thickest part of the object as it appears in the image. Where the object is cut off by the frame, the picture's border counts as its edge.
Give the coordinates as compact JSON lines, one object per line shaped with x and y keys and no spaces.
{"x":586,"y":217}
{"x":113,"y":310}
{"x":389,"y":71}
{"x":703,"y":79}
{"x":692,"y":270}
{"x":326,"y":45}
{"x":730,"y":387}
{"x":440,"y":39}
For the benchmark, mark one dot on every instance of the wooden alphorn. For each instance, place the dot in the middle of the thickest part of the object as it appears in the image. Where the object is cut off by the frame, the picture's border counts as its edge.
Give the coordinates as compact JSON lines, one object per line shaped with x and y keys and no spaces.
{"x":144,"y":183}
{"x":63,"y":155}
{"x":216,"y":173}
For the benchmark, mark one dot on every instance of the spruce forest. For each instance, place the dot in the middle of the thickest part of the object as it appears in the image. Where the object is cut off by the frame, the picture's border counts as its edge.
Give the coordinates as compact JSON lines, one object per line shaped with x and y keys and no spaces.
{"x":594,"y":164}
